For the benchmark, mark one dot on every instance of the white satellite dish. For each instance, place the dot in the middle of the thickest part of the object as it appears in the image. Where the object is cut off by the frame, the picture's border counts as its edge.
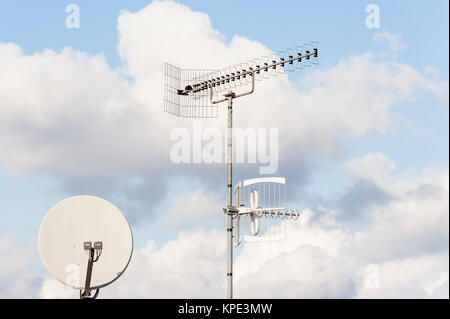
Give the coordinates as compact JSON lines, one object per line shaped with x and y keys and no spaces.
{"x":85,"y":242}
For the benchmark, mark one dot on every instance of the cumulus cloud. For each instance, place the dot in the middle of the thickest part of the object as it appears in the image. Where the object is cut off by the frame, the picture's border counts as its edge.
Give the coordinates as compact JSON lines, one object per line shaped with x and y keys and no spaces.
{"x":16,"y":278}
{"x":78,"y":116}
{"x":70,"y":114}
{"x":104,"y":132}
{"x":66,"y":112}
{"x":402,"y":253}
{"x":393,"y":40}
{"x":404,"y":246}
{"x":194,"y":208}
{"x":53,"y":289}
{"x":190,"y":266}
{"x":358,"y":199}
{"x":373,"y":166}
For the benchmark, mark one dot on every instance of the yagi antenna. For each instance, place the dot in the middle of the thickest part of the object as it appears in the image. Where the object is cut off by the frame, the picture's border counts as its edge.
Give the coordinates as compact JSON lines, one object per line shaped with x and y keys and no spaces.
{"x":195,"y":93}
{"x":191,"y":92}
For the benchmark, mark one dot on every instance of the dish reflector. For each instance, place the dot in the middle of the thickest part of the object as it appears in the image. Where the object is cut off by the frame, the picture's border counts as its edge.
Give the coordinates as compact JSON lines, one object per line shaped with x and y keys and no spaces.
{"x":73,"y":222}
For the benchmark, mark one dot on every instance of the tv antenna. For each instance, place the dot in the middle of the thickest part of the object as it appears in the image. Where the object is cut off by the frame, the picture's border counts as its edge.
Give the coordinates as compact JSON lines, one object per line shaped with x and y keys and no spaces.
{"x":194,"y":93}
{"x":86,"y":243}
{"x":259,"y":198}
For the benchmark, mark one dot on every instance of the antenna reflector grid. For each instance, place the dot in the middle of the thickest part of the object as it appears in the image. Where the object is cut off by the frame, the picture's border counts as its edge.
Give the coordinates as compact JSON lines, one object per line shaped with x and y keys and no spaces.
{"x":186,"y":92}
{"x":172,"y":83}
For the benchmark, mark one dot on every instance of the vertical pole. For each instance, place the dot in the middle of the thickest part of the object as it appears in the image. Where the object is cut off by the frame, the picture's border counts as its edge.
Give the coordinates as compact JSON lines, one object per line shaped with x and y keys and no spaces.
{"x":229,"y":217}
{"x":87,"y":285}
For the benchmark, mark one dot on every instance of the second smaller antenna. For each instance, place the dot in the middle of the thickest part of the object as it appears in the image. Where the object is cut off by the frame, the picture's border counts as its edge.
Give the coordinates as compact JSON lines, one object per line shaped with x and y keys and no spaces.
{"x":261,"y":200}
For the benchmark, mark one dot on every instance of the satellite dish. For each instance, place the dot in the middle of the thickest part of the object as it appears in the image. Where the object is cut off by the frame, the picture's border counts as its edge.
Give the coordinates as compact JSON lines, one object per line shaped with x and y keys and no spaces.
{"x":85,"y":242}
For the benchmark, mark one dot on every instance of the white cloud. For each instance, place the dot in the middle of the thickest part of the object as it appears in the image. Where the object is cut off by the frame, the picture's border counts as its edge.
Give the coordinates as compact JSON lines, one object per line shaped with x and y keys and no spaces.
{"x":69,"y":112}
{"x":405,"y":248}
{"x":198,"y":207}
{"x":393,"y":40}
{"x":190,"y":266}
{"x":321,"y":258}
{"x":16,"y":279}
{"x":434,"y":285}
{"x":418,"y":277}
{"x":415,"y":221}
{"x":373,"y":166}
{"x":53,"y":289}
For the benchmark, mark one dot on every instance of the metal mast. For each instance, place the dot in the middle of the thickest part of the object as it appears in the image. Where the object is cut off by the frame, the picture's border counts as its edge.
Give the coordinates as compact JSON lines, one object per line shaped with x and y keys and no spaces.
{"x":230,"y":210}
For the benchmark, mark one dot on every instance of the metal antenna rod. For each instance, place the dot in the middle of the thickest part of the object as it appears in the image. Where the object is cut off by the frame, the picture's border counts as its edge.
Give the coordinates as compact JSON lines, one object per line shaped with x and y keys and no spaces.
{"x":230,"y":209}
{"x":87,"y":285}
{"x":211,"y":83}
{"x":230,"y":200}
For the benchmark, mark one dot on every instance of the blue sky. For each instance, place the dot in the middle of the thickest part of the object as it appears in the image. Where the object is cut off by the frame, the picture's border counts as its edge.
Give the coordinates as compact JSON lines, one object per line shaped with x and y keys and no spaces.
{"x":340,"y":28}
{"x":418,"y":138}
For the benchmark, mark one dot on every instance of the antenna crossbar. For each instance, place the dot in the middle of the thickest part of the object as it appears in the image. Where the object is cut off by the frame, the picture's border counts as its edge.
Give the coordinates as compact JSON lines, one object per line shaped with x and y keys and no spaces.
{"x":200,"y":86}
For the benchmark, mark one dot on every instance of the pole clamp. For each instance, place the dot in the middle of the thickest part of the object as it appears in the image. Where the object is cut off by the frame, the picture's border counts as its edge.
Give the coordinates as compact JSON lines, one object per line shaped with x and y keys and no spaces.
{"x":231,"y":211}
